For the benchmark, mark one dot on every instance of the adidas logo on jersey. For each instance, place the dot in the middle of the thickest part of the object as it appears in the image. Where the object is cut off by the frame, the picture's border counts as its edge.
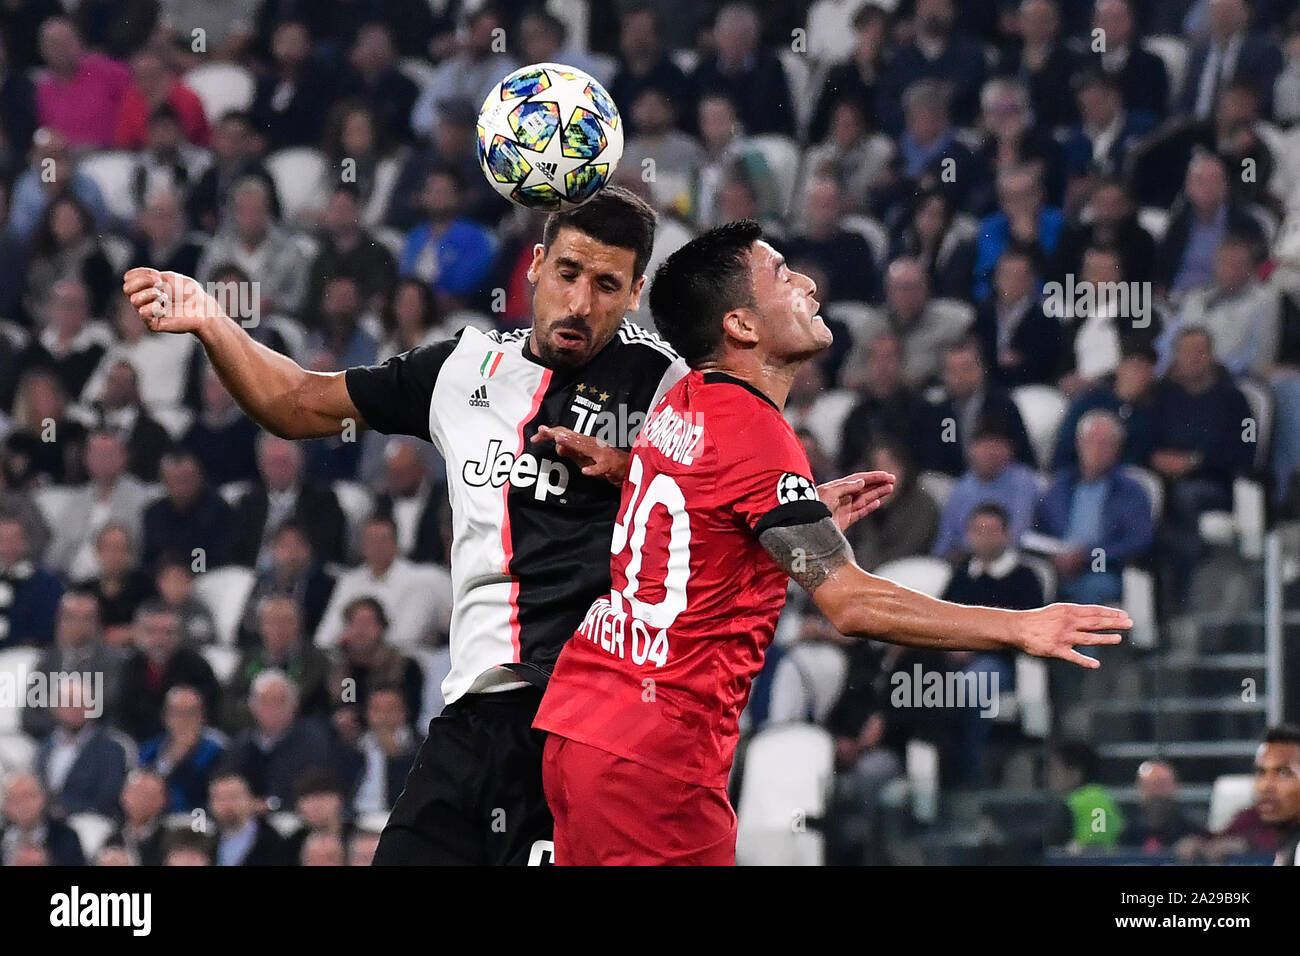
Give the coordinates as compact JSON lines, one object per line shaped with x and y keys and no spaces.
{"x":548,"y":169}
{"x":479,"y":399}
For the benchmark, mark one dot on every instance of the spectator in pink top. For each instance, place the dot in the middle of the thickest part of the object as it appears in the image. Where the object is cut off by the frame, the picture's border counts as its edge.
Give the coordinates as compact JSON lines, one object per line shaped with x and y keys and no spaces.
{"x":154,"y":85}
{"x":83,"y":91}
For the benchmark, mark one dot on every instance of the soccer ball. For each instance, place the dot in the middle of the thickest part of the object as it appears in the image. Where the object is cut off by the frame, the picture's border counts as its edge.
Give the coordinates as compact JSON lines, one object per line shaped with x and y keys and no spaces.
{"x":549,"y":137}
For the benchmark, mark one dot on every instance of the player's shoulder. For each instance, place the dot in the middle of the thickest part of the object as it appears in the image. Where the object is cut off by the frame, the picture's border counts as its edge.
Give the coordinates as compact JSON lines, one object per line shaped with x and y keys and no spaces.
{"x":644,"y":343}
{"x":741,"y":420}
{"x":495,"y":336}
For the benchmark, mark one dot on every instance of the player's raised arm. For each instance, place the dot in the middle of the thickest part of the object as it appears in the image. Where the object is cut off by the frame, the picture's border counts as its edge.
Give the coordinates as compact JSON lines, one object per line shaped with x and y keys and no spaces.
{"x":277,"y":393}
{"x":859,"y":604}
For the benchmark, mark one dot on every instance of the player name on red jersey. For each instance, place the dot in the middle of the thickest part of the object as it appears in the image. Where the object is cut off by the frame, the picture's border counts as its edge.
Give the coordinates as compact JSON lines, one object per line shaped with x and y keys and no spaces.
{"x":675,"y":435}
{"x":622,"y":635}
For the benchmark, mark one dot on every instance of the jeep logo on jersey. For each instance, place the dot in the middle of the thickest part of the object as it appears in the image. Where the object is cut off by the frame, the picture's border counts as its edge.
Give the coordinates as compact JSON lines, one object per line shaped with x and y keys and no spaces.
{"x":791,"y":487}
{"x":547,"y":477}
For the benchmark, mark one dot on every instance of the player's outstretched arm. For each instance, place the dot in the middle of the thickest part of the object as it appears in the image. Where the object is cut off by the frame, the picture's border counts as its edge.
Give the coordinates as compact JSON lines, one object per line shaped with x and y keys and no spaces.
{"x":277,"y":393}
{"x":859,"y":604}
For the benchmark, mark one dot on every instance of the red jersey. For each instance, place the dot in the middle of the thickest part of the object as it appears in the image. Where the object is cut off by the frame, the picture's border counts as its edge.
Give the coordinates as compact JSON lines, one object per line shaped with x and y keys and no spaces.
{"x":660,"y":670}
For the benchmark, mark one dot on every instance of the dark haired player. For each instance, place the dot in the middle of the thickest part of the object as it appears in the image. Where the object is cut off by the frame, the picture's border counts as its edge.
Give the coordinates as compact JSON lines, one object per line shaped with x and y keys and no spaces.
{"x":534,"y":427}
{"x":1277,"y":789}
{"x":718,"y":510}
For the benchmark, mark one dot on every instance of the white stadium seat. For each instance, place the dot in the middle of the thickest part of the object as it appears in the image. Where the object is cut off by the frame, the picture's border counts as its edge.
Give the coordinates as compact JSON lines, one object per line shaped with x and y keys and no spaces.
{"x":1041,"y":408}
{"x":922,"y":762}
{"x":221,"y":87}
{"x":417,"y":69}
{"x":52,"y":502}
{"x":92,"y":831}
{"x":1154,"y":220}
{"x":297,"y":173}
{"x":117,"y":251}
{"x":921,"y":573}
{"x":112,"y":171}
{"x":1152,"y":485}
{"x":15,"y":664}
{"x":1032,"y":700}
{"x":782,"y":157}
{"x":176,"y":419}
{"x":17,"y":752}
{"x":1173,"y":52}
{"x":872,"y":231}
{"x":937,"y":484}
{"x":1138,"y":598}
{"x":1046,"y":575}
{"x":223,"y":661}
{"x":224,"y":592}
{"x":787,"y":778}
{"x":232,"y":491}
{"x":357,"y":503}
{"x":1230,"y":794}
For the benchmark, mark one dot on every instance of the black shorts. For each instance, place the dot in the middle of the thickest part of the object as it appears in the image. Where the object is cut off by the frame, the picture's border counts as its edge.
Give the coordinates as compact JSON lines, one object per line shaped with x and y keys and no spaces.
{"x":474,"y":796}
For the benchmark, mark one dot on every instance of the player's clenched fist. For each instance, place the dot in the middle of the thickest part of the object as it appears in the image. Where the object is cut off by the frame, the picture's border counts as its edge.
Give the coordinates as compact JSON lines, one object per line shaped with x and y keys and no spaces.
{"x":1055,"y":630}
{"x":169,"y":301}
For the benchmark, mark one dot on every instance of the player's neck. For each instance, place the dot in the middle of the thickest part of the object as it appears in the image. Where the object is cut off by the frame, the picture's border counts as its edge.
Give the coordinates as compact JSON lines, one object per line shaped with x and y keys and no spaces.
{"x":774,"y":381}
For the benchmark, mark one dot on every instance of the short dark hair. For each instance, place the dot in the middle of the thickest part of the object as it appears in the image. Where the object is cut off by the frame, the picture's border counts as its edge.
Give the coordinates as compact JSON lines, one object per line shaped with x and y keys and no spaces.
{"x":993,"y":509}
{"x":316,"y":780}
{"x":549,"y":21}
{"x":700,"y":283}
{"x":366,"y":600}
{"x":228,"y":771}
{"x":450,"y":172}
{"x":153,"y":607}
{"x":187,"y":839}
{"x":174,"y":559}
{"x":616,"y":217}
{"x":1092,"y":77}
{"x":1283,"y":734}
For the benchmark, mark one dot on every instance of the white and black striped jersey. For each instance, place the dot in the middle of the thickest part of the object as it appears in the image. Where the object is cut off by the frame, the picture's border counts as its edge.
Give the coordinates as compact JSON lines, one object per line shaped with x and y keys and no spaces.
{"x":531,"y":541}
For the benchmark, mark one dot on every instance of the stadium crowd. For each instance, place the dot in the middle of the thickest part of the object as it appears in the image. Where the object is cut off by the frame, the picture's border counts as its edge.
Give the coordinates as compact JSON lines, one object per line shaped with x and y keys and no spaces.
{"x":270,"y":617}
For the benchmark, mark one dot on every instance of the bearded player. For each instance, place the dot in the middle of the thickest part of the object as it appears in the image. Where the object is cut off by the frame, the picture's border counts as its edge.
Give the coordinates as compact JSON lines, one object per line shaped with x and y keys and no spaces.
{"x":534,"y":426}
{"x":718,"y":511}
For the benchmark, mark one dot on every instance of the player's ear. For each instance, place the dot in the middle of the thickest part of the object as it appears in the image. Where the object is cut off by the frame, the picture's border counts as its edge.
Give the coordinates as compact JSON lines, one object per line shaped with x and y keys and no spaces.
{"x":535,"y":267}
{"x":741,"y":325}
{"x":634,"y":303}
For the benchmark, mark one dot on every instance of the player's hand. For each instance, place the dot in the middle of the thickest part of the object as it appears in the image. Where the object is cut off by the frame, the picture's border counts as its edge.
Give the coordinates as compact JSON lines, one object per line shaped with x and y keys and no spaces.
{"x":855,"y":496}
{"x":169,"y":301}
{"x":598,"y":458}
{"x":1055,"y":630}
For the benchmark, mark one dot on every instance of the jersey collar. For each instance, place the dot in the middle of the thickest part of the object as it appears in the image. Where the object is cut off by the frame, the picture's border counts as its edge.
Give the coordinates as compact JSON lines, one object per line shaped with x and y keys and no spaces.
{"x":712,"y":378}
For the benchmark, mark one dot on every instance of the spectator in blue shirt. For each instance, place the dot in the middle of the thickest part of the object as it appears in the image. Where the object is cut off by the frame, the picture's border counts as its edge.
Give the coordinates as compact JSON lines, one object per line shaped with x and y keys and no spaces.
{"x":993,"y":477}
{"x":1127,"y":393}
{"x":453,"y":254}
{"x":187,"y":753}
{"x":1203,"y":441}
{"x":1102,"y":514}
{"x":1021,"y":218}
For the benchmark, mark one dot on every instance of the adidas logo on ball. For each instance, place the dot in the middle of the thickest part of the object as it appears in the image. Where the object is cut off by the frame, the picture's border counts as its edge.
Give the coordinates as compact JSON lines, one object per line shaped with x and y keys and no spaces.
{"x":548,"y":169}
